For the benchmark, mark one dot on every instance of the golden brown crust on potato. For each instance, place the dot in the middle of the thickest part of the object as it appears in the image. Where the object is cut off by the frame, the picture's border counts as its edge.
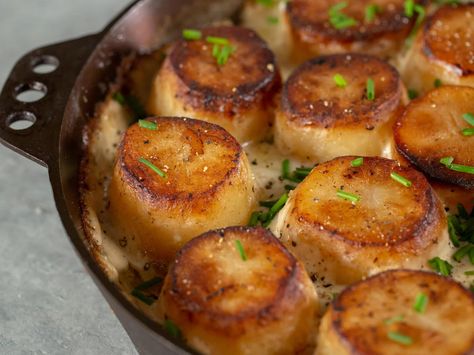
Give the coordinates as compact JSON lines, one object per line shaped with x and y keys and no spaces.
{"x":238,"y":95}
{"x":443,"y":51}
{"x":356,"y":322}
{"x":231,"y":302}
{"x":313,"y":33}
{"x":317,"y":120}
{"x":311,"y":98}
{"x":205,"y":168}
{"x":449,"y":35}
{"x":310,"y":20}
{"x":250,"y":73}
{"x":198,"y":286}
{"x":430,"y":129}
{"x":351,"y":227}
{"x":390,"y":226}
{"x":145,"y":143}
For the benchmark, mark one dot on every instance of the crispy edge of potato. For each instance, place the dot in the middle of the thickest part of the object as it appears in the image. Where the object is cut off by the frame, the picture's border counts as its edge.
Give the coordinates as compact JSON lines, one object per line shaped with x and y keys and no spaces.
{"x":382,"y":106}
{"x":430,"y":165}
{"x":332,"y":337}
{"x":294,"y":291}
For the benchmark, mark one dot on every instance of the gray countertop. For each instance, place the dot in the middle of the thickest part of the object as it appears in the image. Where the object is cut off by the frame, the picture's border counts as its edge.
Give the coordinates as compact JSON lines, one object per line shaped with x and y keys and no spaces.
{"x":48,"y":303}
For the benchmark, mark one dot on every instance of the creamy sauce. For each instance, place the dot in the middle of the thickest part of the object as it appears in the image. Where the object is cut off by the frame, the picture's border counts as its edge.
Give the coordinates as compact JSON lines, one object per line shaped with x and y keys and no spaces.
{"x":126,"y":264}
{"x":121,"y":258}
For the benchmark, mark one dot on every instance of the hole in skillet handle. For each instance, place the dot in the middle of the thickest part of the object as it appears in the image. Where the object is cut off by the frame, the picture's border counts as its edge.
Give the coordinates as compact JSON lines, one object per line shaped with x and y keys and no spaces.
{"x":30,"y":92}
{"x":44,"y":64}
{"x":21,"y":122}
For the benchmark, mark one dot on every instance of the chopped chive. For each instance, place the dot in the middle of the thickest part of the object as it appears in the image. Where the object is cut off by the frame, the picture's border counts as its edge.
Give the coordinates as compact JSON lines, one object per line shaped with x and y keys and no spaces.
{"x":343,"y":22}
{"x":340,"y":81}
{"x":150,"y":283}
{"x":452,"y":231}
{"x":267,"y":3}
{"x":357,"y":162}
{"x":370,"y":90}
{"x":462,"y":252}
{"x":289,"y":187}
{"x":224,"y":54}
{"x":267,"y":204}
{"x":217,"y":40}
{"x":412,"y":94}
{"x":400,"y":338}
{"x":118,"y":96}
{"x":400,"y":179}
{"x":272,"y":20}
{"x":153,"y":167}
{"x":440,"y":266}
{"x":420,"y":11}
{"x":240,"y":249}
{"x":348,"y":196}
{"x":172,"y":328}
{"x":254,"y":218}
{"x":302,"y":172}
{"x":471,"y":255}
{"x":191,"y":35}
{"x":409,"y":8}
{"x":293,"y":179}
{"x":297,"y":175}
{"x":446,"y":161}
{"x":142,"y":297}
{"x":285,"y":169}
{"x":303,"y":169}
{"x":370,"y":12}
{"x":461,"y":227}
{"x":394,"y":319}
{"x":469,"y":273}
{"x":469,"y":118}
{"x":437,"y":83}
{"x":339,"y":20}
{"x":275,"y":209}
{"x":148,"y":124}
{"x":468,"y":132}
{"x":138,"y":291}
{"x":279,"y":204}
{"x":462,"y":168}
{"x":421,"y":302}
{"x":215,"y":50}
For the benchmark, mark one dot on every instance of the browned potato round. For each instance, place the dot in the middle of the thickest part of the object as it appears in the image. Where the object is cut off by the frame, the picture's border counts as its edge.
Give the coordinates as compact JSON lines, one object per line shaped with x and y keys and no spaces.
{"x":431,"y":129}
{"x":317,"y":120}
{"x":258,"y":300}
{"x":314,"y":34}
{"x":238,"y":95}
{"x":208,"y":184}
{"x":443,"y":50}
{"x":378,"y":316}
{"x":389,"y":226}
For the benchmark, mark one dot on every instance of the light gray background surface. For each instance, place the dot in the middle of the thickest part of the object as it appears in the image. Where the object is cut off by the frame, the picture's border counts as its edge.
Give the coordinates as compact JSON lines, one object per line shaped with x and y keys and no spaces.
{"x":48,"y":304}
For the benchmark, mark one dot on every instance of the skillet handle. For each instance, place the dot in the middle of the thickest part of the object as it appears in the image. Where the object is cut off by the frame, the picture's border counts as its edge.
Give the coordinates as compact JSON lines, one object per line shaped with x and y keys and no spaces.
{"x":40,"y":140}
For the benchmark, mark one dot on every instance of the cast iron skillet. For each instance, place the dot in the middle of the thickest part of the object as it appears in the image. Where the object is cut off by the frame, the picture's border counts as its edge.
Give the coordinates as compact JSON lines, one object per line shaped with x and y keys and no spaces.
{"x":85,"y":67}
